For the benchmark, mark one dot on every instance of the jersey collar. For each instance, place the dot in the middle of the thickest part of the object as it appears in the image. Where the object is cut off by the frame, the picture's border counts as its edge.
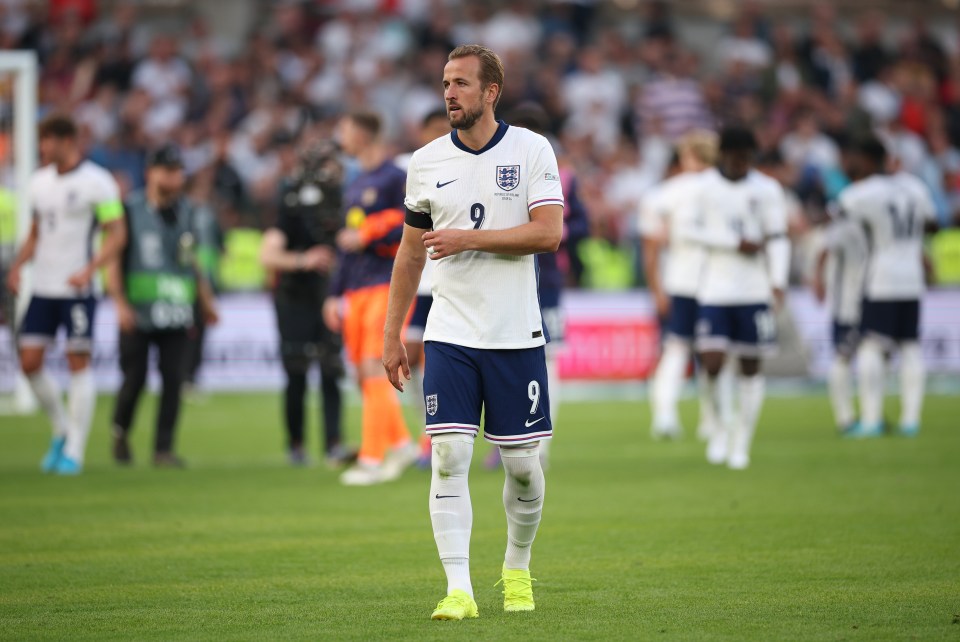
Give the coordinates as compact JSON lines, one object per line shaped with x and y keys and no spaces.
{"x":497,"y":137}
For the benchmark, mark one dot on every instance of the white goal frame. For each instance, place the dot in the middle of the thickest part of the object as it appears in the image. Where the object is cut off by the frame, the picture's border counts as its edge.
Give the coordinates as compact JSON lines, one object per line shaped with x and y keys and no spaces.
{"x":24,"y":68}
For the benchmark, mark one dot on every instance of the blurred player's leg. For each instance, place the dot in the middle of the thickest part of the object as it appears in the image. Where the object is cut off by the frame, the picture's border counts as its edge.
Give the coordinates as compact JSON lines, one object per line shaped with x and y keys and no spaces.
{"x":81,"y":400}
{"x":841,"y":392}
{"x":870,"y":362}
{"x":40,"y":324}
{"x":912,"y":379}
{"x":751,"y":388}
{"x":667,"y":382}
{"x":134,"y":350}
{"x":47,"y":392}
{"x":451,"y":515}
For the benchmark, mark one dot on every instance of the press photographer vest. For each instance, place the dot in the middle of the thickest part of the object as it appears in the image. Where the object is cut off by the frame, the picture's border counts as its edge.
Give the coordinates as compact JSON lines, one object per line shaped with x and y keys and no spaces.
{"x":159,"y":263}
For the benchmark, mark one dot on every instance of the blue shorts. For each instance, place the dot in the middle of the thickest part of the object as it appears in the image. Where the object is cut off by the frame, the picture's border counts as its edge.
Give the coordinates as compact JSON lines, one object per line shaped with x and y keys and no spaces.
{"x":682,"y":318}
{"x":418,"y":320}
{"x":895,"y":321}
{"x":846,"y":338}
{"x":45,"y":316}
{"x":508,"y":386}
{"x":750,"y":330}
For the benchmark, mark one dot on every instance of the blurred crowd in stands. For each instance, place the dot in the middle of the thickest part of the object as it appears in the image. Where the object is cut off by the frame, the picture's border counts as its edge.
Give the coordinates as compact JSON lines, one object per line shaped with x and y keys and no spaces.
{"x":618,"y":88}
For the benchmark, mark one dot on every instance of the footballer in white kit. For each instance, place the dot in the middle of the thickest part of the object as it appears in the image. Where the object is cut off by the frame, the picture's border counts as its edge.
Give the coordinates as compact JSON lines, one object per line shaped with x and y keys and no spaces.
{"x":481,"y":202}
{"x":665,"y":213}
{"x":893,"y":211}
{"x":838,"y":281}
{"x":71,"y":199}
{"x":744,"y":229}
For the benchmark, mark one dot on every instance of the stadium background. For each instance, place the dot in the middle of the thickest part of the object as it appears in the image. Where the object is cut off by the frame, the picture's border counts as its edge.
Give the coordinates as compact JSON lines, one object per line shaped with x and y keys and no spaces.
{"x":239,"y":84}
{"x":822,"y":539}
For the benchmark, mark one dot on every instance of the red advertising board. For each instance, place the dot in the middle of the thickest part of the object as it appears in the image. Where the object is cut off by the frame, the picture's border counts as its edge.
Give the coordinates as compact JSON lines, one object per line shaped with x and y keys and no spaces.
{"x":604,"y":348}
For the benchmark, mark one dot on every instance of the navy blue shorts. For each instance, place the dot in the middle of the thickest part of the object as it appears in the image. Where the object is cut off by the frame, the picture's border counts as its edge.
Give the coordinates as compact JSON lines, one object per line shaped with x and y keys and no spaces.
{"x":508,"y":386}
{"x":750,"y":329}
{"x":418,"y":320}
{"x":45,"y":316}
{"x":846,"y":338}
{"x":891,"y":320}
{"x":682,"y":318}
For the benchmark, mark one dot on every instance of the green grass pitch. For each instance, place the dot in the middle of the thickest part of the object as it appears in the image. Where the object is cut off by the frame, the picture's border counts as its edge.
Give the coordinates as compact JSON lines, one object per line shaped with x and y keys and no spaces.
{"x":821,"y":539}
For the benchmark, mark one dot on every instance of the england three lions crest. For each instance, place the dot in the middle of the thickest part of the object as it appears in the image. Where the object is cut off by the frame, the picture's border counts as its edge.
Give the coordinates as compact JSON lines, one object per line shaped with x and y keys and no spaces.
{"x":508,"y":177}
{"x":431,"y":404}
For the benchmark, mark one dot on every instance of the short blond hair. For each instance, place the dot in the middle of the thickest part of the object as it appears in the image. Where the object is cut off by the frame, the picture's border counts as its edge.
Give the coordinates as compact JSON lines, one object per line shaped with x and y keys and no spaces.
{"x":703,"y":144}
{"x":491,"y":67}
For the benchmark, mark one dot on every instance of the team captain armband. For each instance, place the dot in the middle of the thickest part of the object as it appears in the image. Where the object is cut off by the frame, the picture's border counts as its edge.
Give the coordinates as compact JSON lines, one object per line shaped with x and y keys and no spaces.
{"x":109,"y":211}
{"x":418,"y":220}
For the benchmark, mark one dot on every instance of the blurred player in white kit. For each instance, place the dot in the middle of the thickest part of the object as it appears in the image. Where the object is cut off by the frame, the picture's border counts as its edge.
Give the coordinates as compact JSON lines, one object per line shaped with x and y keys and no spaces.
{"x":71,"y":197}
{"x":743,"y":229}
{"x":674,"y":280}
{"x":893,"y":211}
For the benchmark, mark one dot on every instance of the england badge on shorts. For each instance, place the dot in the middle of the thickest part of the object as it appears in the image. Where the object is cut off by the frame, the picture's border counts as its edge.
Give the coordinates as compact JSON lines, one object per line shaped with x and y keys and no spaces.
{"x":431,"y":402}
{"x":508,"y":177}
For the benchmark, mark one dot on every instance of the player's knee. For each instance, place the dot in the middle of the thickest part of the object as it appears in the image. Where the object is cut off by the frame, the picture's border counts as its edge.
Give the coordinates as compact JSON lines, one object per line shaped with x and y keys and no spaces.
{"x":712,"y":362}
{"x":452,"y":454}
{"x":295,"y":365}
{"x":31,"y":362}
{"x":511,"y":456}
{"x":749,"y":367}
{"x":78,"y":361}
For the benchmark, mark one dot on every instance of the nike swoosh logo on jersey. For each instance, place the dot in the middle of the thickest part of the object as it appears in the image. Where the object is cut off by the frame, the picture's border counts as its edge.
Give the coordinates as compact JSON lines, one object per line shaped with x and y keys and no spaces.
{"x":445,"y":496}
{"x":521,"y":499}
{"x":439,"y":184}
{"x":529,"y":423}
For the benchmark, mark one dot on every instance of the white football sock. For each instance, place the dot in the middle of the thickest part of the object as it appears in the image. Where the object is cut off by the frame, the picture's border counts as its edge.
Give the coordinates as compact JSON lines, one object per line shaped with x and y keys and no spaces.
{"x":870,"y":368}
{"x":718,"y":443}
{"x":523,"y":491}
{"x":708,"y":422}
{"x":81,"y":399}
{"x":48,"y":396}
{"x":450,"y":511}
{"x":912,"y":375}
{"x":752,"y":390}
{"x":841,"y":391}
{"x":667,"y":382}
{"x":726,"y":408}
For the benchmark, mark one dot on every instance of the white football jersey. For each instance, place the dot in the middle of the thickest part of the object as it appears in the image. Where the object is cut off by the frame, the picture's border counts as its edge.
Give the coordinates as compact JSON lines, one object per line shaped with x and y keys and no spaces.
{"x":67,"y":208}
{"x":846,"y":269}
{"x":672,"y":207}
{"x":752,"y":209}
{"x":480,"y":299}
{"x":892,"y":211}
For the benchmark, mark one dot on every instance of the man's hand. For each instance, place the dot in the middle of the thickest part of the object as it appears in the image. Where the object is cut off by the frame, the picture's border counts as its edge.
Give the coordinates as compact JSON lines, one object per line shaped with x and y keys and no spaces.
{"x":779,"y":296}
{"x":126,"y":317}
{"x":82,"y":278}
{"x":443,"y":243}
{"x":332,"y":315}
{"x":210,"y":315}
{"x":662,"y":303}
{"x":319,"y":258}
{"x":749,"y":247}
{"x":395,"y":361}
{"x":819,"y":289}
{"x":349,"y":240}
{"x":13,"y":281}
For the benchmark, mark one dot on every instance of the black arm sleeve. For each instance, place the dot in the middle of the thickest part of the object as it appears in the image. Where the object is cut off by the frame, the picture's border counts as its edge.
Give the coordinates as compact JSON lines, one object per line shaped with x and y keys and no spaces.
{"x":419,"y":220}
